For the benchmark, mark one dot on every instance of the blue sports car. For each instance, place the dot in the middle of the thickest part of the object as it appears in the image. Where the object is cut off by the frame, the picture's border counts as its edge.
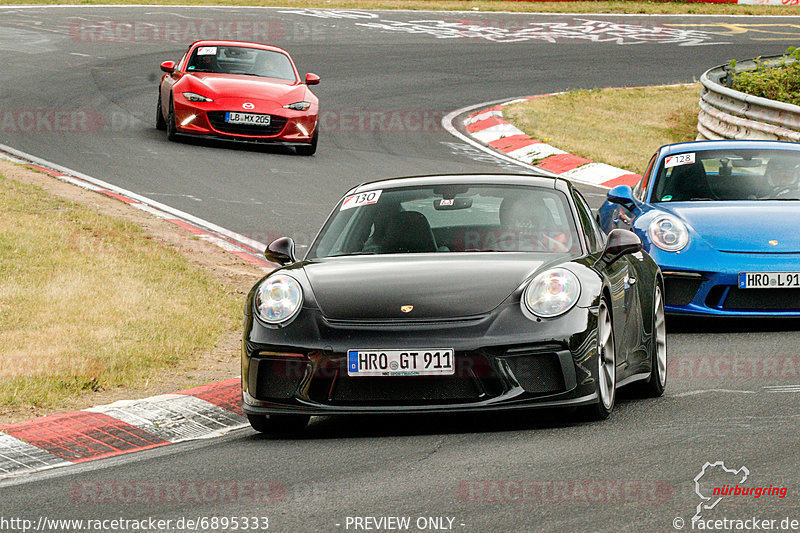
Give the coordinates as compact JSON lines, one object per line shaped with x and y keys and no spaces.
{"x":722,"y":220}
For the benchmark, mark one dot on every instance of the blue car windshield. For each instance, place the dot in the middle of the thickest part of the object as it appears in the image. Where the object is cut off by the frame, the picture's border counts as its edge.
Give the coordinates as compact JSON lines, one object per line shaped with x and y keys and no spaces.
{"x":728,"y":175}
{"x":449,"y":218}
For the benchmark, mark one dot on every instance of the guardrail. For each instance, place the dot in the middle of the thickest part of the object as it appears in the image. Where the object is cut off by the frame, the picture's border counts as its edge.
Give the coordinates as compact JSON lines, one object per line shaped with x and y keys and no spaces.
{"x":728,"y":114}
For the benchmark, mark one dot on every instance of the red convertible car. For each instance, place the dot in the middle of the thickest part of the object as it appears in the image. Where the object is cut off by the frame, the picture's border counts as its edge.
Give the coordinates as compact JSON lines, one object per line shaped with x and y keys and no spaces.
{"x":238,"y":91}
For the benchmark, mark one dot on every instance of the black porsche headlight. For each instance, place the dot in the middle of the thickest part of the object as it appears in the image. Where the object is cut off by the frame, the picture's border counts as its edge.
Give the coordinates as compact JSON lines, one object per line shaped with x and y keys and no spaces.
{"x":552,"y":293}
{"x":298,"y":106}
{"x":278,"y":299}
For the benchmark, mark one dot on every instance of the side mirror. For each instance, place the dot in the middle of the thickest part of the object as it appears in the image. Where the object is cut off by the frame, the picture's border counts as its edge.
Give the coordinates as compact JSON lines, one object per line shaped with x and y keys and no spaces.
{"x":620,"y":242}
{"x":280,"y":251}
{"x":622,"y":195}
{"x":312,"y":79}
{"x":168,"y":67}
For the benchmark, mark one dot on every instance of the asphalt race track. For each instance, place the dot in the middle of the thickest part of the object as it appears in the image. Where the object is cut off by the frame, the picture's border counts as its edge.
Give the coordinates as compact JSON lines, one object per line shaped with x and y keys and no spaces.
{"x":388,"y":78}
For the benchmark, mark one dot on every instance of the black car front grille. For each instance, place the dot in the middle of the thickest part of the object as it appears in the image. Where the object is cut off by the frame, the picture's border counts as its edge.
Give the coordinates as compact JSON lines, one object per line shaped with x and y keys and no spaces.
{"x":278,"y":378}
{"x":217,"y":120}
{"x":680,"y":290}
{"x":405,"y":390}
{"x":474,"y":380}
{"x":762,"y":299}
{"x":538,"y":372}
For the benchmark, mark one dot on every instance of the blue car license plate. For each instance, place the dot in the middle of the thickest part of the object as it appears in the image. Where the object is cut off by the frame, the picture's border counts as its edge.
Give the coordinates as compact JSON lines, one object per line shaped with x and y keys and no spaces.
{"x":769,"y":280}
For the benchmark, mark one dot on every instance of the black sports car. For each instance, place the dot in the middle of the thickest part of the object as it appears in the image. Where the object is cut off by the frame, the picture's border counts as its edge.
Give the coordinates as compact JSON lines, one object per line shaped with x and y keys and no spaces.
{"x":453,"y":293}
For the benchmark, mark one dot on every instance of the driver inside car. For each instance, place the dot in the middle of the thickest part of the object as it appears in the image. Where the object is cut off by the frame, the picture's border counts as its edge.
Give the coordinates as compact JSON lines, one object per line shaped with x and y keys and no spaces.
{"x":782,"y":177}
{"x":529,"y":226}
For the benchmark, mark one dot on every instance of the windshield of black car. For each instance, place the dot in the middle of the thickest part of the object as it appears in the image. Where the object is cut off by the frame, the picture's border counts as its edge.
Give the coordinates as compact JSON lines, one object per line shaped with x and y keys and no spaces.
{"x":449,"y":218}
{"x":241,"y":60}
{"x":728,"y":175}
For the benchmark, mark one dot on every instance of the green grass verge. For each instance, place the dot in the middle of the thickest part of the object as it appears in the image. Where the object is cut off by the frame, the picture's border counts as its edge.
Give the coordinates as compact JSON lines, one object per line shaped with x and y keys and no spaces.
{"x":89,"y":302}
{"x":465,"y":5}
{"x":620,"y":127}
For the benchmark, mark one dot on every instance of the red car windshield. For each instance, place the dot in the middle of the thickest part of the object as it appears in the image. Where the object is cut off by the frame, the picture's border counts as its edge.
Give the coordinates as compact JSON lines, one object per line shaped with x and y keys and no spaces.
{"x":241,"y":60}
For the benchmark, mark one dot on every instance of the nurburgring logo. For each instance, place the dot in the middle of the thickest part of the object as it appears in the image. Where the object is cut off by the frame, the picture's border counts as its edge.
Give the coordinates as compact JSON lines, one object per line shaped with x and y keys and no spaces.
{"x":717,"y":482}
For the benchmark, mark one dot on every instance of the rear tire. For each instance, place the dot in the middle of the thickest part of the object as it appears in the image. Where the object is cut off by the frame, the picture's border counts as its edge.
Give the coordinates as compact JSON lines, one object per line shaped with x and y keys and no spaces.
{"x":278,"y":424}
{"x":311,"y":148}
{"x":654,"y":386}
{"x":606,"y":386}
{"x":172,"y":129}
{"x":161,"y":124}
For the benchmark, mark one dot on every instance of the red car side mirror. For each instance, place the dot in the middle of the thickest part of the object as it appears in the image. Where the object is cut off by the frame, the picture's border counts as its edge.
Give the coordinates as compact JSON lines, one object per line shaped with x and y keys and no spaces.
{"x":312,"y":79}
{"x":168,"y":67}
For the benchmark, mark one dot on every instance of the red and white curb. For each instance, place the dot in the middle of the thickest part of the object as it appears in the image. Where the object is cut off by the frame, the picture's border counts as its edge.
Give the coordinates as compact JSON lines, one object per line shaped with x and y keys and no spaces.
{"x":119,"y":428}
{"x":239,"y":245}
{"x":487,"y":127}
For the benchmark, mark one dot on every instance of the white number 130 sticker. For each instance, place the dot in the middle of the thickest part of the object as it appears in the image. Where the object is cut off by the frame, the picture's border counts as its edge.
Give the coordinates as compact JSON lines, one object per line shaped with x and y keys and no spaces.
{"x":357,"y":200}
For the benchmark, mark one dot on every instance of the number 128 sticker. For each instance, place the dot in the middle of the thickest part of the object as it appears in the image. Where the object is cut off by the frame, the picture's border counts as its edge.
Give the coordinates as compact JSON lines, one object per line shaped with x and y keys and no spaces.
{"x":357,"y":200}
{"x":678,"y":160}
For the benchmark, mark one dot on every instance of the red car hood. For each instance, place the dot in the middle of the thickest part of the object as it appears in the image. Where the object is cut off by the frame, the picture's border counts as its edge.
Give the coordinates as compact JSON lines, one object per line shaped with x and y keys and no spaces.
{"x":251,"y":87}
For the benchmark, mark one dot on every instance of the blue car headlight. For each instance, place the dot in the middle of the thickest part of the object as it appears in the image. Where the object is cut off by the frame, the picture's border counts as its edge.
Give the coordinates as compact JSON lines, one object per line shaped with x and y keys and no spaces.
{"x":552,"y":293}
{"x":278,"y":299}
{"x":668,"y":233}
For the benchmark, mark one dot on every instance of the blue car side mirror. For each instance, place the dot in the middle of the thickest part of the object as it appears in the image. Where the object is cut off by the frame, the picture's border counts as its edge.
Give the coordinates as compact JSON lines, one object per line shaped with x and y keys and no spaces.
{"x":622,"y":195}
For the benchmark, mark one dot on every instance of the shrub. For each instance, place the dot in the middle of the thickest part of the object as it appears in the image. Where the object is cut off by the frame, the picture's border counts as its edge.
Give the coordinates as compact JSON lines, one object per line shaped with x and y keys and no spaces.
{"x":780,"y":82}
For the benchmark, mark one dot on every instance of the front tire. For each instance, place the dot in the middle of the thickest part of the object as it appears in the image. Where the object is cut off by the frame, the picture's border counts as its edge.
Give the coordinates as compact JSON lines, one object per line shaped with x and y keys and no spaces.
{"x":172,"y":129}
{"x":161,"y":124}
{"x":654,"y":386}
{"x":311,"y":148}
{"x":606,"y":387}
{"x":278,"y":424}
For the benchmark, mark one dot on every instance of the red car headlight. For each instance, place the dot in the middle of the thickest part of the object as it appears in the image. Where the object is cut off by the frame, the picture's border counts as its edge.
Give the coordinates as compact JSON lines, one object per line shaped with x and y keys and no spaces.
{"x":194,"y":97}
{"x":298,"y":106}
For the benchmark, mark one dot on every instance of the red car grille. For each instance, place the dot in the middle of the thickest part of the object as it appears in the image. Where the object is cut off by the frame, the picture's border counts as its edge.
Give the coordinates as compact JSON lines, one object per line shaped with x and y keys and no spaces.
{"x":217,"y":120}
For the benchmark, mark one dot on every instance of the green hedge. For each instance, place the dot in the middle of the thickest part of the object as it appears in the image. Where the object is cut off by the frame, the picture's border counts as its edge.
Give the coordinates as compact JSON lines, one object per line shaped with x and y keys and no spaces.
{"x":781,"y":83}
